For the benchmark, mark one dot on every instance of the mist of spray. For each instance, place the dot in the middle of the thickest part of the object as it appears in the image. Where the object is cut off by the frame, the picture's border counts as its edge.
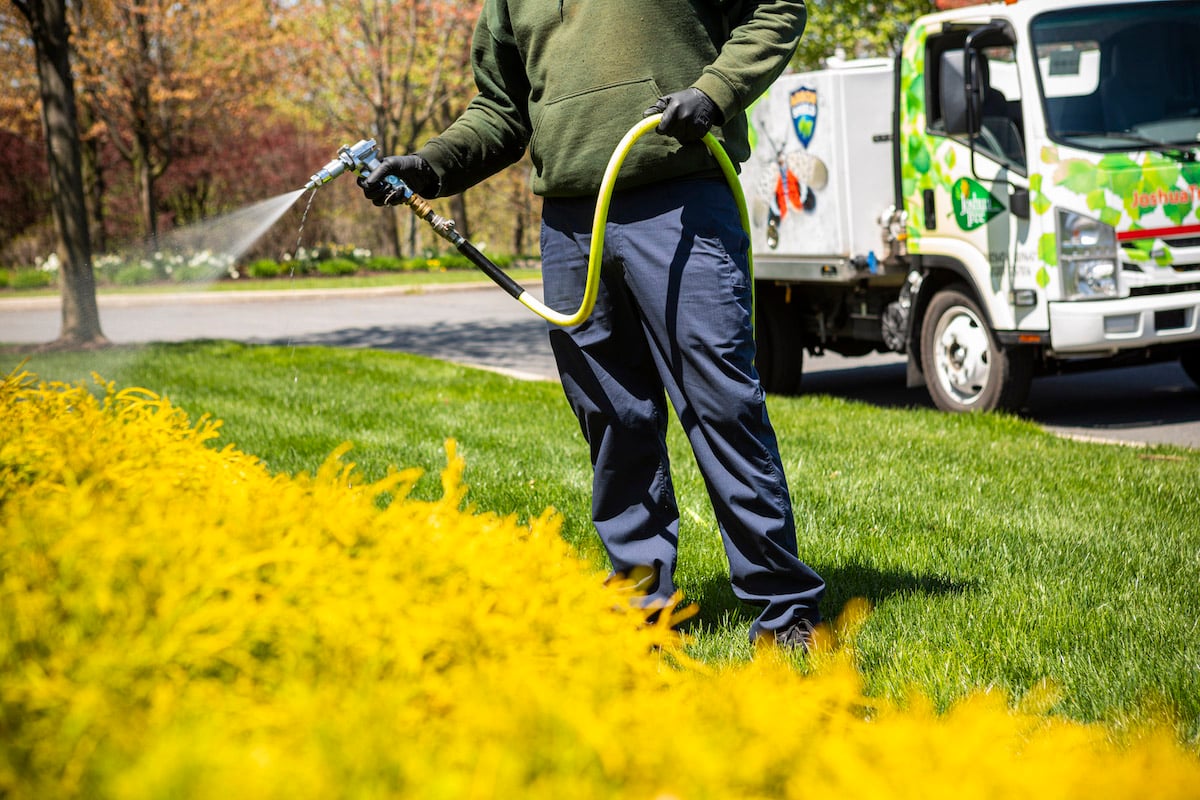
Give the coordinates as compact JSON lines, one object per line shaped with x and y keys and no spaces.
{"x":232,"y":234}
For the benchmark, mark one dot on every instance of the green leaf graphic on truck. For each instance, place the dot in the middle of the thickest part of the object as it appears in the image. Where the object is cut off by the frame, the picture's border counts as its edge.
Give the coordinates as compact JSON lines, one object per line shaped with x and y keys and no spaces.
{"x":1128,"y":192}
{"x":918,"y":160}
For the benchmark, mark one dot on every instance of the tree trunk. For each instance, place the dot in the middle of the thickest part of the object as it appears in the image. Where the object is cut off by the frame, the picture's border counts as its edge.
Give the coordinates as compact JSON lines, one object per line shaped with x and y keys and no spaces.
{"x":395,"y":234}
{"x":80,"y":316}
{"x":458,"y":213}
{"x":95,"y":188}
{"x":95,"y":183}
{"x":143,"y":145}
{"x":518,"y":234}
{"x":146,"y":197}
{"x":414,"y":226}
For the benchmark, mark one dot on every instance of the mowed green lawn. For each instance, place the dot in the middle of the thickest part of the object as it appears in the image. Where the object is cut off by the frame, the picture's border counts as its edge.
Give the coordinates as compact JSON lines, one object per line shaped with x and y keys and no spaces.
{"x":994,"y":555}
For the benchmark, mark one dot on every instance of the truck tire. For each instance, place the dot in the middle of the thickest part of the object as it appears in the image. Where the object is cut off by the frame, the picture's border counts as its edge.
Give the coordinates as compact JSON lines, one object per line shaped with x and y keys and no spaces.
{"x":779,"y":357}
{"x":1190,"y":361}
{"x":965,"y":368}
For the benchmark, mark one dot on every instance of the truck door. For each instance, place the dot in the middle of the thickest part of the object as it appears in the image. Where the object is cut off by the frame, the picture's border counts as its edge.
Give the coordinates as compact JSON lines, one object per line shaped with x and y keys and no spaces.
{"x":979,"y":170}
{"x":972,"y":164}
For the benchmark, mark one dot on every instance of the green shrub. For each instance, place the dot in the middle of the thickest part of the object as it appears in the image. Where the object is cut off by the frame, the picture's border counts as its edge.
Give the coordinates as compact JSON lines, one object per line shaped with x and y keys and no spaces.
{"x":439,"y":263}
{"x":193,"y":273}
{"x":298,"y":266}
{"x":417,"y":264}
{"x":337,"y":266}
{"x":135,"y":274}
{"x":384,"y":264}
{"x":264,"y":268}
{"x":31,"y":279}
{"x":5,"y":278}
{"x":455,"y":261}
{"x":450,"y":261}
{"x":330,"y":251}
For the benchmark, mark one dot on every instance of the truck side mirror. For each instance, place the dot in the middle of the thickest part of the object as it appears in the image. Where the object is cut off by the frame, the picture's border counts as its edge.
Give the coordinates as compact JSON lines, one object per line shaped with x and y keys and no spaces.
{"x":961,"y":101}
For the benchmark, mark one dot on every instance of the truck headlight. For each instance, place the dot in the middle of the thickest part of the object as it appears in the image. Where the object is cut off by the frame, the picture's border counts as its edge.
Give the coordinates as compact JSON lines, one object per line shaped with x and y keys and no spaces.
{"x":1087,"y":256}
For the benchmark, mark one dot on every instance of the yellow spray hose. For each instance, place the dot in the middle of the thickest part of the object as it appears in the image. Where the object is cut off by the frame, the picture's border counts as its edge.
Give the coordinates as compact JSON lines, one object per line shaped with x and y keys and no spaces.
{"x":596,"y":254}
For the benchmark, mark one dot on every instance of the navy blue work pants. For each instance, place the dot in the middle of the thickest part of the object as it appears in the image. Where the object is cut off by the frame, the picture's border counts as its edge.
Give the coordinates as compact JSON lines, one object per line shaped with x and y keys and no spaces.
{"x":673,"y":319}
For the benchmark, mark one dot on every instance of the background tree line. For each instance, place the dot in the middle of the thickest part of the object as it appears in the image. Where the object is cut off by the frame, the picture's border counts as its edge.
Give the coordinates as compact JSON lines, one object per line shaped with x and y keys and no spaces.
{"x":177,"y":112}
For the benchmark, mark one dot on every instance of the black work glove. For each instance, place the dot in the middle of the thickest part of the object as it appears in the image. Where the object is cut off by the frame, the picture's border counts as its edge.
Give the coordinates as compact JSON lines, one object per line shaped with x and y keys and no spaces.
{"x":687,"y":115}
{"x":413,"y":170}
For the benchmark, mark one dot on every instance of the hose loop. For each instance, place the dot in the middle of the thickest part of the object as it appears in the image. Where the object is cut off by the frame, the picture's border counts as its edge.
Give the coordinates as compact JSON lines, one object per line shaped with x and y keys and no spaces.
{"x":600,"y":222}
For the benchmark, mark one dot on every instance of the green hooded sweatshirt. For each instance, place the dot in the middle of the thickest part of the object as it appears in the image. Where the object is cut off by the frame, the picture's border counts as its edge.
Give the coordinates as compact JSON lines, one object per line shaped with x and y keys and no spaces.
{"x":568,"y":79}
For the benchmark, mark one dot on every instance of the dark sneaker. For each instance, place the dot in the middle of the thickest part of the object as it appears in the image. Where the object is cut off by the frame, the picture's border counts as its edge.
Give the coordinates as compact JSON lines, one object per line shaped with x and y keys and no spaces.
{"x":798,"y":636}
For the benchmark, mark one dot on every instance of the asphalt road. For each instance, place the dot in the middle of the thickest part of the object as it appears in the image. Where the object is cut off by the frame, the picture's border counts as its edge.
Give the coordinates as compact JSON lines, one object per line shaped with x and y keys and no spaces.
{"x":481,"y":326}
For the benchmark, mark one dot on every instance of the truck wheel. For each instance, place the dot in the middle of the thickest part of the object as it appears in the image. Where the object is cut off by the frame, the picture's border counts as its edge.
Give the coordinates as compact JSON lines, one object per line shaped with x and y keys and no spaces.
{"x":965,"y":367}
{"x":1190,"y":361}
{"x":780,"y":351}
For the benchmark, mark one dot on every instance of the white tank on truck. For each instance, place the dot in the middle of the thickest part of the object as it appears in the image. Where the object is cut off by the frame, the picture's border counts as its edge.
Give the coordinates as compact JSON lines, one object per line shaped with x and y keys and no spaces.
{"x":1016,"y":194}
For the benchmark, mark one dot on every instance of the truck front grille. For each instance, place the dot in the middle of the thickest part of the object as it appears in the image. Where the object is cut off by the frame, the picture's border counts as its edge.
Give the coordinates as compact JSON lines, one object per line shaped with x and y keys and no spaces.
{"x":1170,"y":288}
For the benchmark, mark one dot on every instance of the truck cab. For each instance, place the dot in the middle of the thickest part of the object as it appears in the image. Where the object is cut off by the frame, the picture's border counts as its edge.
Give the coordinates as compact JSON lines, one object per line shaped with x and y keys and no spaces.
{"x":1015,"y":194}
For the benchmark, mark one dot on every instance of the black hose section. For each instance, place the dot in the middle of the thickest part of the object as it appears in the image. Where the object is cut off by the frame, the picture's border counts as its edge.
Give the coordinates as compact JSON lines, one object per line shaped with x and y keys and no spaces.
{"x":491,"y":270}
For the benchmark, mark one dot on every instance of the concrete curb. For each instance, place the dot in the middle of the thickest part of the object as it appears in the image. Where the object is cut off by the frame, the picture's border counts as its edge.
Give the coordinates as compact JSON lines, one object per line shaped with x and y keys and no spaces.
{"x":48,"y":303}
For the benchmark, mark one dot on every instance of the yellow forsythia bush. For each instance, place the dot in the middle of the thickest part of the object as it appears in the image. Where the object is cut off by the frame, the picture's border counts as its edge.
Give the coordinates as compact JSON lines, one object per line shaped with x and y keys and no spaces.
{"x":179,"y":623}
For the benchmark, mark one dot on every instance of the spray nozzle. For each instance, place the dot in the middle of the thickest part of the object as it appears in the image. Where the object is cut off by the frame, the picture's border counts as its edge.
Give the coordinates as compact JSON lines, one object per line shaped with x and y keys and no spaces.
{"x":360,"y":158}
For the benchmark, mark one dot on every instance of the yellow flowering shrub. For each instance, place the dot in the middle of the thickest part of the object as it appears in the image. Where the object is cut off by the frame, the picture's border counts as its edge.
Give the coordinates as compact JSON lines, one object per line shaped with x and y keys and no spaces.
{"x":177,"y":622}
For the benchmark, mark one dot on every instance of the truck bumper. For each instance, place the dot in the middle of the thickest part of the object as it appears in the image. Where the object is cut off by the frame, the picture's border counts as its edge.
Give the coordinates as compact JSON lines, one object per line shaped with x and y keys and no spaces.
{"x":1109,"y":325}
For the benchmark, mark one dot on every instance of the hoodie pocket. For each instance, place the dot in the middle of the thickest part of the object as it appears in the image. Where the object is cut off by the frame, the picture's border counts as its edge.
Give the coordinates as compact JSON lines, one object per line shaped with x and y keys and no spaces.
{"x":575,"y":134}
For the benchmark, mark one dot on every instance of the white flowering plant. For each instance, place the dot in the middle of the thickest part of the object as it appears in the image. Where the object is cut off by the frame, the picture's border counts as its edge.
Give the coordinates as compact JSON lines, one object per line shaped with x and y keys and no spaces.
{"x":125,"y":270}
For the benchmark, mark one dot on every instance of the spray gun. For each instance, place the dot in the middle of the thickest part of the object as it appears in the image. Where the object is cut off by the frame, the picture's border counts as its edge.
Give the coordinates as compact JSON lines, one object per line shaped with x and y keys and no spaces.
{"x":357,"y":158}
{"x":362,"y":159}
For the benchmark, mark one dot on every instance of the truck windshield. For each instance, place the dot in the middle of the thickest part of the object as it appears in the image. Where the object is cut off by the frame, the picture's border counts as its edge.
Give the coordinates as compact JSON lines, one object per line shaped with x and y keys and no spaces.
{"x":1121,"y":77}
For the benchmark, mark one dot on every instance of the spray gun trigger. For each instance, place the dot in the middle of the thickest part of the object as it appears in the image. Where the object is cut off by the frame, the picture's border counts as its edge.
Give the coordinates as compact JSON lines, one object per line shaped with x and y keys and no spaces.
{"x":399,"y":188}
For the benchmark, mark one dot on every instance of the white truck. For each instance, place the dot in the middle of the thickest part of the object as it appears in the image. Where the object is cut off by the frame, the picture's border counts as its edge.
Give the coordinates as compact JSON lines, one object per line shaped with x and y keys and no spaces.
{"x":1015,"y":194}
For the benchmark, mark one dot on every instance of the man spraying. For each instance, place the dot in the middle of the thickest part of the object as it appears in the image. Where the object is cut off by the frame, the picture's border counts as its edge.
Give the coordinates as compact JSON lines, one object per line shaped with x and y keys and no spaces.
{"x":673,"y":318}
